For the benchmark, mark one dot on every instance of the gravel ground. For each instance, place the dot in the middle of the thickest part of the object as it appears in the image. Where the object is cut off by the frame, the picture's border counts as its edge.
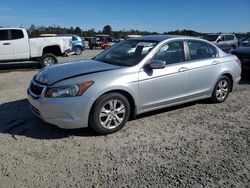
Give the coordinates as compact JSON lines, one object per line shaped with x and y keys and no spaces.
{"x":193,"y":145}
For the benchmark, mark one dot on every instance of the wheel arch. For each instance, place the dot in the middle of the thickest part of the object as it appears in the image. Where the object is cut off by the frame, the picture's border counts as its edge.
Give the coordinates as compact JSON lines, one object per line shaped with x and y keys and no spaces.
{"x":78,"y":46}
{"x":128,"y":95}
{"x":54,"y":49}
{"x":230,"y":78}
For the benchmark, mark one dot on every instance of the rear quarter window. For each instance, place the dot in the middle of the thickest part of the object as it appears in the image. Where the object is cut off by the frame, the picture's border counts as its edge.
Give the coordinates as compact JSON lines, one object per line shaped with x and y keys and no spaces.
{"x":16,"y":34}
{"x":201,"y":50}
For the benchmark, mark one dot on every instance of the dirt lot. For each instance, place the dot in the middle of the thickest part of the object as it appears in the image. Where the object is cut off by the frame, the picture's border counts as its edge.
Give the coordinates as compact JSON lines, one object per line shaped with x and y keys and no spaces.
{"x":192,"y":145}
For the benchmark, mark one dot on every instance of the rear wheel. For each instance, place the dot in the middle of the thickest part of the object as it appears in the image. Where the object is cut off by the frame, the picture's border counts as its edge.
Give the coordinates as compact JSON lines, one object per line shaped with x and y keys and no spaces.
{"x":221,"y":90}
{"x":77,"y":50}
{"x":109,"y":113}
{"x":48,"y":59}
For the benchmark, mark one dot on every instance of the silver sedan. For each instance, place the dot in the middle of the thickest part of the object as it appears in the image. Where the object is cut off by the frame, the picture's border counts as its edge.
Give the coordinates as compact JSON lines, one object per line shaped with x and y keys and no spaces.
{"x":134,"y":76}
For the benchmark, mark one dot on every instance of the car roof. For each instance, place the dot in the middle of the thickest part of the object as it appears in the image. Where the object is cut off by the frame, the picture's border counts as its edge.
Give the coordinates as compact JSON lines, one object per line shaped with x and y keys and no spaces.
{"x":160,"y":38}
{"x":11,"y":28}
{"x":75,"y":35}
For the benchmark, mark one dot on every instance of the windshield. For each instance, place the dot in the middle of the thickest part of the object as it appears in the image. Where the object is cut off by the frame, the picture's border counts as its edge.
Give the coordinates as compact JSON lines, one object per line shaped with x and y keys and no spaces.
{"x":126,"y":53}
{"x":211,"y":37}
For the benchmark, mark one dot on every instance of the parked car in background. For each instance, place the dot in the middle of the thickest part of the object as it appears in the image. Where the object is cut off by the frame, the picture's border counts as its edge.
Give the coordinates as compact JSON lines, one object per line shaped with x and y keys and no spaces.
{"x":133,"y":36}
{"x":246,"y":41}
{"x":133,"y":77}
{"x":243,"y":53}
{"x":77,"y":43}
{"x":225,"y":42}
{"x":16,"y":45}
{"x":101,"y":41}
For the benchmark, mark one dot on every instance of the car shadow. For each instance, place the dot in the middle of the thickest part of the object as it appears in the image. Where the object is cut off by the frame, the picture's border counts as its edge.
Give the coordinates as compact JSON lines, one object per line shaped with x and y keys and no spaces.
{"x":245,"y":76}
{"x":12,"y":66}
{"x":17,"y":119}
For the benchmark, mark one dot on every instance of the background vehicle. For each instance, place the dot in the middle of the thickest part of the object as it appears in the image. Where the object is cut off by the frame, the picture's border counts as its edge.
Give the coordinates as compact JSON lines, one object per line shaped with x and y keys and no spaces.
{"x":133,"y":36}
{"x":77,"y":43}
{"x":133,"y":77}
{"x":243,"y":52}
{"x":100,"y":41}
{"x":225,"y":42}
{"x":16,"y":45}
{"x":246,"y":41}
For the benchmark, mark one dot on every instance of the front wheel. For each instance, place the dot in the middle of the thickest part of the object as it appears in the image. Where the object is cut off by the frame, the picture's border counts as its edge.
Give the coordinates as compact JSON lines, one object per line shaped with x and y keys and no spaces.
{"x":221,"y":90}
{"x":48,"y":59}
{"x":109,"y":113}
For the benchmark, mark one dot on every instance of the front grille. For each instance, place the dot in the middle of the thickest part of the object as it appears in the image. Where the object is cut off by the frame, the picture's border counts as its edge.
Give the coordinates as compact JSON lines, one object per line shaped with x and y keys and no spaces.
{"x":36,"y":89}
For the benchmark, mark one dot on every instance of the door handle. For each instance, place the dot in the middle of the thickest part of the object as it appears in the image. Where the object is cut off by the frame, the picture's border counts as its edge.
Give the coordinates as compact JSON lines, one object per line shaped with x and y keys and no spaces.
{"x":6,"y":43}
{"x":182,"y":69}
{"x":215,"y":62}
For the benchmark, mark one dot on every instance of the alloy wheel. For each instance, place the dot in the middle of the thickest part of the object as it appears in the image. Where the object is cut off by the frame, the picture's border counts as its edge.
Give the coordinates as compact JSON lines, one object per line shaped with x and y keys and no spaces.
{"x":112,"y":114}
{"x":48,"y":61}
{"x":222,"y":90}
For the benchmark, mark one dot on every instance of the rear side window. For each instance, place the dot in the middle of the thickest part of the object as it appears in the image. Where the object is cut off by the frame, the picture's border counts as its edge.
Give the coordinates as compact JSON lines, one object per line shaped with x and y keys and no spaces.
{"x":16,"y":34}
{"x":201,"y":50}
{"x":4,"y":35}
{"x":229,"y":37}
{"x":213,"y":52}
{"x":172,"y":52}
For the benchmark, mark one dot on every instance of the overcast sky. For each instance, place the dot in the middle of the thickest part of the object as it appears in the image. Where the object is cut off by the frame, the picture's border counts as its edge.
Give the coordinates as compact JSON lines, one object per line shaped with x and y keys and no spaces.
{"x":158,"y":15}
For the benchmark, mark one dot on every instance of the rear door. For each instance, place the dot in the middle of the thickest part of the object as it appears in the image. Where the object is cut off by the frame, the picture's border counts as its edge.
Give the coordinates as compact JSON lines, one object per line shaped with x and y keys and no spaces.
{"x":20,"y":44}
{"x":203,"y":59}
{"x":6,"y":46}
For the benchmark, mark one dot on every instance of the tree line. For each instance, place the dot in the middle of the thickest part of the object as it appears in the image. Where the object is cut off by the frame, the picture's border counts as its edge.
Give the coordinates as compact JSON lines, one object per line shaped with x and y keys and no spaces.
{"x":35,"y":31}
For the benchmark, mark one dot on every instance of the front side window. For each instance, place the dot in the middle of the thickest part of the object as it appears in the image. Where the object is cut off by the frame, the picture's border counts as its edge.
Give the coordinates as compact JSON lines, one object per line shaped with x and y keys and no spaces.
{"x":16,"y":34}
{"x":172,"y":52}
{"x":126,"y":53}
{"x":4,"y":35}
{"x":201,"y":50}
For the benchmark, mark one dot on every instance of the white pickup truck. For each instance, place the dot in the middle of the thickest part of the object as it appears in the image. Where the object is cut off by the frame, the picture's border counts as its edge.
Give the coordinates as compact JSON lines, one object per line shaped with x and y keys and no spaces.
{"x":15,"y":45}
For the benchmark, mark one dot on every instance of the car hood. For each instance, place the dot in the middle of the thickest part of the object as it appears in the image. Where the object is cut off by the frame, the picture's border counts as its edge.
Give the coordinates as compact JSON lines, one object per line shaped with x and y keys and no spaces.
{"x":243,"y":50}
{"x":57,"y":73}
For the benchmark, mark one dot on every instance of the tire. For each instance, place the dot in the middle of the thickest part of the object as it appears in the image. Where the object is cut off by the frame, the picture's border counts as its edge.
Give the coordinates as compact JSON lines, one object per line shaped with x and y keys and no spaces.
{"x":221,"y":90}
{"x":48,"y":59}
{"x":109,"y":113}
{"x":77,"y":50}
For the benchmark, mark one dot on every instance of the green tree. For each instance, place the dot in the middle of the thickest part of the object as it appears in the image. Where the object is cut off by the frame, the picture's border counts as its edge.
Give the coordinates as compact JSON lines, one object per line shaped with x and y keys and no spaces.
{"x":78,"y":31}
{"x":107,"y":29}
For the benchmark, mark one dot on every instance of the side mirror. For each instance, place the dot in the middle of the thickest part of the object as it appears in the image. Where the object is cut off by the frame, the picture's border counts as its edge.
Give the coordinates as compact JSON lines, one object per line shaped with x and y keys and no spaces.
{"x":220,"y":38}
{"x":157,"y":64}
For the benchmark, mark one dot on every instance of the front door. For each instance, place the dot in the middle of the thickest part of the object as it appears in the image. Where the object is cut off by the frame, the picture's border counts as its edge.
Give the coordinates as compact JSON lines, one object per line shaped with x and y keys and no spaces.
{"x":161,"y":87}
{"x":6,"y":46}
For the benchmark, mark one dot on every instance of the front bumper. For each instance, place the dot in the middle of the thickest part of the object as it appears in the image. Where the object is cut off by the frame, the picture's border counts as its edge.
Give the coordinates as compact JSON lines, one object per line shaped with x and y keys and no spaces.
{"x":66,"y":113}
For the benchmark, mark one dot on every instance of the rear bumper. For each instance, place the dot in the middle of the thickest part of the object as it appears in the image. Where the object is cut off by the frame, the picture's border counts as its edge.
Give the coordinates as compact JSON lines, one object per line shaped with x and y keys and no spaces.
{"x":236,"y":83}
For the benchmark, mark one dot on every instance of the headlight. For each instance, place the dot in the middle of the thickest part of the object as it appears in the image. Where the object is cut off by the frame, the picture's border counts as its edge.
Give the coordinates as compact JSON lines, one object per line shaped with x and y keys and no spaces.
{"x":68,"y":90}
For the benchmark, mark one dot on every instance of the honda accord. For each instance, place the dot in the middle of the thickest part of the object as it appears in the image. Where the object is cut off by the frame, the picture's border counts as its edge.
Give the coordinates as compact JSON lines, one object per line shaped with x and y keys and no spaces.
{"x":130,"y":78}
